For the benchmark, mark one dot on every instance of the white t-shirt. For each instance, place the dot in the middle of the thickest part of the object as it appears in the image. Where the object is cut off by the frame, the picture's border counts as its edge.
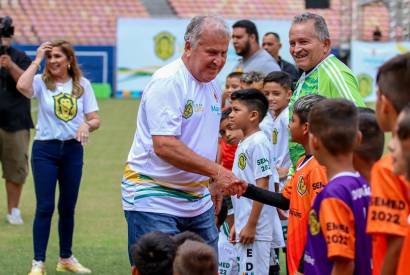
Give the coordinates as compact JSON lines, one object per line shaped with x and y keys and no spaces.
{"x":60,"y":114}
{"x":174,"y":103}
{"x":280,"y":140}
{"x":267,"y":125}
{"x":252,"y":162}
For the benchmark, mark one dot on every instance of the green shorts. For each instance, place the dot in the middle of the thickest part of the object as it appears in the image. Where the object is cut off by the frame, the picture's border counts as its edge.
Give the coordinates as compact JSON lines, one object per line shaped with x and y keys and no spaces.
{"x":14,"y":155}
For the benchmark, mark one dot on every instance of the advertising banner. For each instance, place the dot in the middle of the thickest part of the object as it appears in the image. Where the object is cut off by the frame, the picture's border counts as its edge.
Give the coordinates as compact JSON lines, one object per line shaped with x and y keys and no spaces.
{"x":144,"y":45}
{"x":367,"y":57}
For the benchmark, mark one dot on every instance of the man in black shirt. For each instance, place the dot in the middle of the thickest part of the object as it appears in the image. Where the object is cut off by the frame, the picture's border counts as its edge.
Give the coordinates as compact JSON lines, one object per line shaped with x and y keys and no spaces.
{"x":271,"y":43}
{"x":15,"y":124}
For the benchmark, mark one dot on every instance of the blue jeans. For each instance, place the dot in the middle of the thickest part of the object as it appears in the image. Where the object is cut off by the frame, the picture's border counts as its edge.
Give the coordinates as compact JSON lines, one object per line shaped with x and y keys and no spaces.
{"x":54,"y":161}
{"x":140,"y":223}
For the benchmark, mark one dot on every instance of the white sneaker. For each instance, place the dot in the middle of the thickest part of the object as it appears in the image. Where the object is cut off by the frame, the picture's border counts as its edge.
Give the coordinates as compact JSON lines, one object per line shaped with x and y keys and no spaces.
{"x":72,"y":265}
{"x":37,"y":268}
{"x":14,"y":217}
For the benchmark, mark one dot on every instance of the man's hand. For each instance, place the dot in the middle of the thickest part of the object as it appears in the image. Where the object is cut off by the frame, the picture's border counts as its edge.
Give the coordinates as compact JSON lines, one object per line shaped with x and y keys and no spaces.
{"x":226,"y":180}
{"x":216,"y":196}
{"x":236,"y":188}
{"x":247,"y":234}
{"x":5,"y":61}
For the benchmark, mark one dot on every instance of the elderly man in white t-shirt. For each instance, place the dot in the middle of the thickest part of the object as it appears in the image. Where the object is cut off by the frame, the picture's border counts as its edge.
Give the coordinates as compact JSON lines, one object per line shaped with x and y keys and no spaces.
{"x":165,"y":186}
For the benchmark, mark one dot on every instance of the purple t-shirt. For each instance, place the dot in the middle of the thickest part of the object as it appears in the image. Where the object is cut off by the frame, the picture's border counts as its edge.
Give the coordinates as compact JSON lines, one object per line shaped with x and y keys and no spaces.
{"x":337,"y":226}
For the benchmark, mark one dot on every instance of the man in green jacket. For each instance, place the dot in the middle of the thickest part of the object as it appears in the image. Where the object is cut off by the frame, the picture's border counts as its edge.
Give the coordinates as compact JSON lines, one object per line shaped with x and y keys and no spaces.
{"x":323,"y":73}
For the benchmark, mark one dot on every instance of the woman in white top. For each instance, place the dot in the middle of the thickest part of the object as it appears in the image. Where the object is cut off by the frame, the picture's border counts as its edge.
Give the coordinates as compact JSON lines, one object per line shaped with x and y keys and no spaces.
{"x":67,"y":114}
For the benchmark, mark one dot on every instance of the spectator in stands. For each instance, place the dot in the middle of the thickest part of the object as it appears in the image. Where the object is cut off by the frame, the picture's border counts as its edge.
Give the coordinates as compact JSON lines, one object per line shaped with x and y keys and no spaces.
{"x":377,"y":34}
{"x":166,"y":178}
{"x":245,"y":40}
{"x":323,"y":73}
{"x":15,"y":121}
{"x":271,"y":43}
{"x":67,"y":115}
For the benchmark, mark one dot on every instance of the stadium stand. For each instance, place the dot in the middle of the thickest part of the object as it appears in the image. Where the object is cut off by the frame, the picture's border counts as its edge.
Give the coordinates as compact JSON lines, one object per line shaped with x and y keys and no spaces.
{"x":93,"y":22}
{"x":90,"y":22}
{"x":375,"y":14}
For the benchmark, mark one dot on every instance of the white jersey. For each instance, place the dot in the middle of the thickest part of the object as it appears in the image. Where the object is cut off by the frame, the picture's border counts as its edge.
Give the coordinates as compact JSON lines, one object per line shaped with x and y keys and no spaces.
{"x":280,"y":140}
{"x":59,"y":113}
{"x":252,"y":162}
{"x":175,"y":104}
{"x":267,"y":126}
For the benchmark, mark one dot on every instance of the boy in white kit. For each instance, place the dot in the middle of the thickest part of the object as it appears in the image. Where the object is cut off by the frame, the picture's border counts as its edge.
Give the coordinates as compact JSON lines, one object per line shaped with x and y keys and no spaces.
{"x":277,"y":89}
{"x":254,"y":223}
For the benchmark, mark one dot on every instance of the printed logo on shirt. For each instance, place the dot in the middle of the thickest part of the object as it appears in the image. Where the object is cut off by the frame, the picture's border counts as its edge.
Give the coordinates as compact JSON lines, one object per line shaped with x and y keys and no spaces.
{"x":198,"y":108}
{"x":263,"y":163}
{"x":188,"y":109}
{"x":301,"y":188}
{"x":65,"y":106}
{"x":242,"y":161}
{"x":314,"y":225}
{"x":216,"y":109}
{"x":275,"y":136}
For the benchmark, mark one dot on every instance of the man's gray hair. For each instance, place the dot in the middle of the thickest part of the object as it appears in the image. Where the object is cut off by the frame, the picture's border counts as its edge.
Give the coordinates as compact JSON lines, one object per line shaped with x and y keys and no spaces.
{"x":320,"y":24}
{"x":195,"y":28}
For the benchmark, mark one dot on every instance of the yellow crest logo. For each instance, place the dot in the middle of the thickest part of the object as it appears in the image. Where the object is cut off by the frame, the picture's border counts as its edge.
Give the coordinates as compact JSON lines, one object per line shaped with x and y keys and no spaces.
{"x":242,"y":161}
{"x":164,"y":45}
{"x":301,"y":187}
{"x":275,"y":136}
{"x":314,"y":225}
{"x":65,"y":106}
{"x":188,"y":109}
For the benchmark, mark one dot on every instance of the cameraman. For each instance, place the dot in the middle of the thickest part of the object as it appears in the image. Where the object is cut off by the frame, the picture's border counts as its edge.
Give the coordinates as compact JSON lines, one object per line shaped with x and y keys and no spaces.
{"x":15,"y":120}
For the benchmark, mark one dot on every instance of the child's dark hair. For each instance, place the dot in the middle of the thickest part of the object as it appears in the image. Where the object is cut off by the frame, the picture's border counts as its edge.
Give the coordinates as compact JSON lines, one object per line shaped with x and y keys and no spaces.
{"x":393,"y":79}
{"x":304,"y":104}
{"x":371,"y":147}
{"x":195,"y":258}
{"x":254,"y":99}
{"x":182,"y":237}
{"x":335,"y":122}
{"x":403,"y":129}
{"x":225,"y":113}
{"x":154,"y":253}
{"x":235,"y":75}
{"x":252,"y":77}
{"x":282,"y":78}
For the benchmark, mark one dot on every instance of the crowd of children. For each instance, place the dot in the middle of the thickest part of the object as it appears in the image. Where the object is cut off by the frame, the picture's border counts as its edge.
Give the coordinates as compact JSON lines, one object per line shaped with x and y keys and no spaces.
{"x":346,"y":206}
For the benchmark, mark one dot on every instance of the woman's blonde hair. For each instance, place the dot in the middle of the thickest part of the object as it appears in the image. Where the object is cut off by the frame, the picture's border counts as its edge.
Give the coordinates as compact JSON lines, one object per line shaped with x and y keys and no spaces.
{"x":73,"y":69}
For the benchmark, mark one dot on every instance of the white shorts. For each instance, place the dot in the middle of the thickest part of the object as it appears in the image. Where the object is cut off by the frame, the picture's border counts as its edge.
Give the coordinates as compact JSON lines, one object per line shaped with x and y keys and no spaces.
{"x":277,"y":233}
{"x":254,"y":258}
{"x":228,"y":258}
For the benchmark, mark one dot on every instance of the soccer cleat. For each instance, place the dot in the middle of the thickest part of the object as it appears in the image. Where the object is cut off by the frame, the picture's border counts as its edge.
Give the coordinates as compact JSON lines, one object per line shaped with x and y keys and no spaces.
{"x":37,"y":268}
{"x":72,"y":265}
{"x":14,"y":217}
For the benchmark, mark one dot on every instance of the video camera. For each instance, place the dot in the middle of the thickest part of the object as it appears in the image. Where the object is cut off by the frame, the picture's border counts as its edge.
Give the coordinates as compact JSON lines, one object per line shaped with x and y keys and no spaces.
{"x":6,"y":30}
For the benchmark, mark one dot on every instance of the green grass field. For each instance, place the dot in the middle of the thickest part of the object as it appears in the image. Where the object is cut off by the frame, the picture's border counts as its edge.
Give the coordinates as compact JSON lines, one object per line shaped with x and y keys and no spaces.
{"x":100,"y":238}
